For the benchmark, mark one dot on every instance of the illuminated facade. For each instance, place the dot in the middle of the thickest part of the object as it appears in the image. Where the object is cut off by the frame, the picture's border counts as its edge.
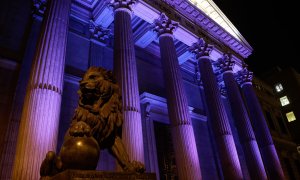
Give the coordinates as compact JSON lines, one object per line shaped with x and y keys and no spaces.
{"x":188,"y":101}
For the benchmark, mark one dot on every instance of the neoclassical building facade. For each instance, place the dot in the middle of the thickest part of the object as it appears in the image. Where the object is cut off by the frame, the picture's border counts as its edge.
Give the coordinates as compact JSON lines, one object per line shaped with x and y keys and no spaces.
{"x":189,"y":107}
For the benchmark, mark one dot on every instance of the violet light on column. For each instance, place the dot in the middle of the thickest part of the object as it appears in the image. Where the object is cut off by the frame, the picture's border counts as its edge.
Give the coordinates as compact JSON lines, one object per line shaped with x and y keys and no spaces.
{"x":9,"y":147}
{"x":246,"y":135}
{"x":217,"y":114}
{"x":262,"y":133}
{"x":126,"y":72}
{"x":40,"y":117}
{"x":186,"y":155}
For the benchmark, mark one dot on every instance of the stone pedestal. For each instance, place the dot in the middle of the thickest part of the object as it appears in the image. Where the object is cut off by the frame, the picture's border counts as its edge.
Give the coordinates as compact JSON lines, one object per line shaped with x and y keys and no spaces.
{"x":96,"y":175}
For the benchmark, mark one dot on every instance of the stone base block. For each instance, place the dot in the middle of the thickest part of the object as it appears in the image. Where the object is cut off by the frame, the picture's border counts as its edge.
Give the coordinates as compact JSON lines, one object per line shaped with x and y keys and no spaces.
{"x":103,"y":175}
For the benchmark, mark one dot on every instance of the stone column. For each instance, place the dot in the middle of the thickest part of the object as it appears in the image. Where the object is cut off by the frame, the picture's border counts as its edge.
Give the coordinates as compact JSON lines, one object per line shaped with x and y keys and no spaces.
{"x":217,"y":114}
{"x":246,"y":135}
{"x":262,"y":133}
{"x":40,"y":117}
{"x":186,"y":155}
{"x":7,"y":155}
{"x":126,"y":73}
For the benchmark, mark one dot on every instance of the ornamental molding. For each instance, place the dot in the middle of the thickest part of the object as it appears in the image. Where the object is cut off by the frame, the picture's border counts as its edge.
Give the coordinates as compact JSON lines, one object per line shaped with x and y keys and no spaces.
{"x":98,"y":32}
{"x":198,"y":23}
{"x":193,"y":22}
{"x":159,"y":105}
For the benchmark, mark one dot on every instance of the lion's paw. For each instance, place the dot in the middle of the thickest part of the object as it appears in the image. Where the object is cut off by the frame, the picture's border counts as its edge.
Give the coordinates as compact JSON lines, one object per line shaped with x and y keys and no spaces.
{"x":135,"y":166}
{"x":80,"y":128}
{"x":138,"y":166}
{"x":51,"y":165}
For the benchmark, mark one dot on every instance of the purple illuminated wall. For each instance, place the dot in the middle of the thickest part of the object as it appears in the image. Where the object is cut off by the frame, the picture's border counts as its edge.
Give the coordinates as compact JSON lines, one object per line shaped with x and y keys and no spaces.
{"x":82,"y":52}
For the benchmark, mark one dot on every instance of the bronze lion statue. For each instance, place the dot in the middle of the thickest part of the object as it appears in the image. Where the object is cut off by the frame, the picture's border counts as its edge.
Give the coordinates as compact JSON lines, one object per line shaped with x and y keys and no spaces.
{"x":96,"y":125}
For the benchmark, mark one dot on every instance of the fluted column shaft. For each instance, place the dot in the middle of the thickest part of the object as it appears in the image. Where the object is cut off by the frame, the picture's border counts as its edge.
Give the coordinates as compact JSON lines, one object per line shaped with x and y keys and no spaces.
{"x":186,"y":155}
{"x":228,"y":154}
{"x":253,"y":158}
{"x":10,"y":142}
{"x":231,"y":167}
{"x":262,"y":133}
{"x":126,"y":72}
{"x":40,"y":117}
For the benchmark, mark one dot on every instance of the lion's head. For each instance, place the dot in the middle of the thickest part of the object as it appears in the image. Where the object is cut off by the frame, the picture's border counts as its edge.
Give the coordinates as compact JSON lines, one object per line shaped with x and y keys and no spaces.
{"x":100,"y":104}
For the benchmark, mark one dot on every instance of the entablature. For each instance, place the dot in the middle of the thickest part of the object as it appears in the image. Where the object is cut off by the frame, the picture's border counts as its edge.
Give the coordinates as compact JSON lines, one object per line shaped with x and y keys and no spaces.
{"x":159,"y":105}
{"x":193,"y":23}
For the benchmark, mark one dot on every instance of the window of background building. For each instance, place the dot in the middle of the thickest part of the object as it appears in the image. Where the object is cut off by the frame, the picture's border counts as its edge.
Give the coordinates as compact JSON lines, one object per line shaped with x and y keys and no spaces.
{"x":290,"y":116}
{"x":278,"y":87}
{"x":284,"y":101}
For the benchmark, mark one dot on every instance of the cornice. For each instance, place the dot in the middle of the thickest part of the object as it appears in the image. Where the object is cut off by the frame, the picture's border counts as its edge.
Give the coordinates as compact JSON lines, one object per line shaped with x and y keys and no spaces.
{"x":205,"y":24}
{"x":193,"y":23}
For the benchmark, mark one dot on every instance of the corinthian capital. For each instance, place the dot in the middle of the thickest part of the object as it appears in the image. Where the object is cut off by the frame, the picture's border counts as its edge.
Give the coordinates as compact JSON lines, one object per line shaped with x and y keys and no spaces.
{"x":225,"y":63}
{"x":201,"y":48}
{"x":127,"y":4}
{"x":244,"y":76}
{"x":164,"y":25}
{"x":98,"y":32}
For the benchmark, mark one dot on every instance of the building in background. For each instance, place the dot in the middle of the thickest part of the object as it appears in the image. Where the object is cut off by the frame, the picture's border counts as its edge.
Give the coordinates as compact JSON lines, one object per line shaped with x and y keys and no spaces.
{"x":190,"y":110}
{"x":286,"y":87}
{"x":279,"y":126}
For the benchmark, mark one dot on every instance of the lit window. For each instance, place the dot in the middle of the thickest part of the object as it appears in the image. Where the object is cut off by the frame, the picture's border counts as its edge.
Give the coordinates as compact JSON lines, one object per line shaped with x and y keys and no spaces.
{"x":290,"y":116}
{"x":278,"y":87}
{"x":284,"y":101}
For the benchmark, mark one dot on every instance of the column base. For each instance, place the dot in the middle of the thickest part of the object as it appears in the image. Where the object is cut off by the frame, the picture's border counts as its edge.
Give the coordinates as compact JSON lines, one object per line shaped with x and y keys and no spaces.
{"x":93,"y":175}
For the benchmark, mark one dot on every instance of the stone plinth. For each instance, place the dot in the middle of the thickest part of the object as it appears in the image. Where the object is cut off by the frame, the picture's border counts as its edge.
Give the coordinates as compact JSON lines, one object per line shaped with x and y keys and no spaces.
{"x":104,"y":175}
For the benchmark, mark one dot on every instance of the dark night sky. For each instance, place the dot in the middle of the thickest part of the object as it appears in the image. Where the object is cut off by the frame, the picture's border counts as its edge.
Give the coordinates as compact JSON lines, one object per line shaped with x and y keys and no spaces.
{"x":270,"y":28}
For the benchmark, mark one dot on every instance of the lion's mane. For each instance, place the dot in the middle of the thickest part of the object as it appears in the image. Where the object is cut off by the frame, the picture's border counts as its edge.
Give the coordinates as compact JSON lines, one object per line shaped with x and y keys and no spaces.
{"x":100,"y":104}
